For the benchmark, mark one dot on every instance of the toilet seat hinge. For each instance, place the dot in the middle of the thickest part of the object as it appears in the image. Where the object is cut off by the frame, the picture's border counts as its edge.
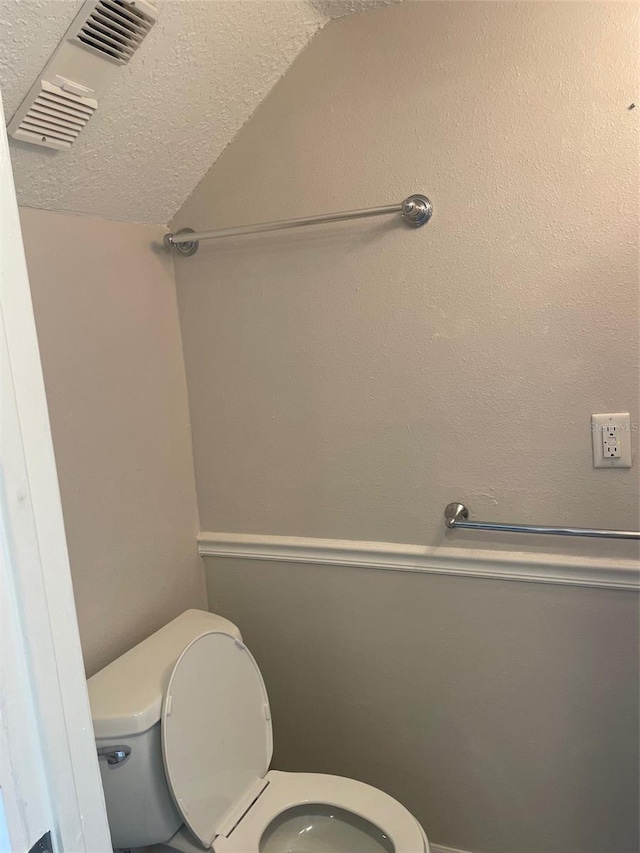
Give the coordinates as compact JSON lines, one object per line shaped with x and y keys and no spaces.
{"x":239,"y":809}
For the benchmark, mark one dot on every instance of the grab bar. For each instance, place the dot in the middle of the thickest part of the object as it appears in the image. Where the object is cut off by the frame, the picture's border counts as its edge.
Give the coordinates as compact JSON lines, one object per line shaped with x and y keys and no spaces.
{"x":457,"y":516}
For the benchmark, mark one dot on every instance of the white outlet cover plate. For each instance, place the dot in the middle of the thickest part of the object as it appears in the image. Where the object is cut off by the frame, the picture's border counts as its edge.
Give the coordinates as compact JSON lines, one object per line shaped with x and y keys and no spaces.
{"x":599,"y":423}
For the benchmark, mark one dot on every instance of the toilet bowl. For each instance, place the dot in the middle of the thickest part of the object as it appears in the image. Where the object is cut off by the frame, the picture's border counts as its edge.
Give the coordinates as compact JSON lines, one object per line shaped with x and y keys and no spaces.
{"x":317,"y":813}
{"x":183,"y":729}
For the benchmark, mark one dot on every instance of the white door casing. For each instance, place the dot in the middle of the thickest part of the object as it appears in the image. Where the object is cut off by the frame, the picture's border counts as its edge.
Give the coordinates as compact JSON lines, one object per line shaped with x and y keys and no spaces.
{"x":49,"y":771}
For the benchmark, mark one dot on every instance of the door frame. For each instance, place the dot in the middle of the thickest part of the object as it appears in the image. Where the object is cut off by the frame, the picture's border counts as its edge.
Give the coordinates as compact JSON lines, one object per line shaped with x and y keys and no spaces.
{"x":49,"y":774}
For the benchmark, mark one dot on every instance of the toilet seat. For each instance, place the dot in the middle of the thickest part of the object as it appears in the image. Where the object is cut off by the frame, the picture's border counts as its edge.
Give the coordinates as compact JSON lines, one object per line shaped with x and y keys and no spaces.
{"x":288,"y":790}
{"x":217,"y":740}
{"x":217,"y":745}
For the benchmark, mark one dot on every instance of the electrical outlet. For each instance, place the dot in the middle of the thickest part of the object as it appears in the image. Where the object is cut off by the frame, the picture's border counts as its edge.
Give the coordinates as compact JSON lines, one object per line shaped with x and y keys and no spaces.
{"x":611,"y":440}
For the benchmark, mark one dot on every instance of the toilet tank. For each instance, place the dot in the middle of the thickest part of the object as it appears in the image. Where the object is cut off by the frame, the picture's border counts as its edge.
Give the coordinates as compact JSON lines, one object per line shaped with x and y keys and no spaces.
{"x":126,"y":704}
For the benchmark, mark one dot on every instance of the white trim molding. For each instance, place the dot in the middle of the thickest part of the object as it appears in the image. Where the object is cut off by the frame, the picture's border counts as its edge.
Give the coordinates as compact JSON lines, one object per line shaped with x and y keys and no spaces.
{"x":49,"y":771}
{"x":621,"y":574}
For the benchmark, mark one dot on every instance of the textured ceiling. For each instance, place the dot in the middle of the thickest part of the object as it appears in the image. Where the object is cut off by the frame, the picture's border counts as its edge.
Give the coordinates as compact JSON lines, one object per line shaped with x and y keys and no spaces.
{"x":340,"y":8}
{"x":169,"y":113}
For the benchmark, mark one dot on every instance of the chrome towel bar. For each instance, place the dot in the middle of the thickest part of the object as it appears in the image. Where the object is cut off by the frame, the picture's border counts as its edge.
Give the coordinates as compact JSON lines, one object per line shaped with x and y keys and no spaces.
{"x":457,"y":516}
{"x":415,"y":211}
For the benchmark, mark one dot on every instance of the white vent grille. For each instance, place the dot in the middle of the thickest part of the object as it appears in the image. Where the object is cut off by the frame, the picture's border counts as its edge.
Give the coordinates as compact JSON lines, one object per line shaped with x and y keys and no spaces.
{"x":54,"y":118}
{"x":116,"y":28}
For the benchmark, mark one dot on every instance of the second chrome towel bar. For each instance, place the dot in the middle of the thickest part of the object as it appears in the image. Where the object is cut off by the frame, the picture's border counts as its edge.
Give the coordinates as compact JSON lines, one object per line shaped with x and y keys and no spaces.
{"x":457,"y":516}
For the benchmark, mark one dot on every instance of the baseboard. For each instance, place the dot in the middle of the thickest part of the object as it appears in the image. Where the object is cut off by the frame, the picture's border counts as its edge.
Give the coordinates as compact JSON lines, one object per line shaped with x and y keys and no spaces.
{"x":389,"y":556}
{"x":438,"y":848}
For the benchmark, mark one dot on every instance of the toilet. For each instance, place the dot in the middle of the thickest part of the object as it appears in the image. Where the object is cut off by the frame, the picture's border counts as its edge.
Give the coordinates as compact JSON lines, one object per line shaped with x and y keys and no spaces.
{"x":184,"y":738}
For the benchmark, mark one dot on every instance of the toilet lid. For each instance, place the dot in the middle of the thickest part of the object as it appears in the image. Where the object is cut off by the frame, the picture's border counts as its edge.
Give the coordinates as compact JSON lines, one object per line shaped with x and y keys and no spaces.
{"x":216,"y":731}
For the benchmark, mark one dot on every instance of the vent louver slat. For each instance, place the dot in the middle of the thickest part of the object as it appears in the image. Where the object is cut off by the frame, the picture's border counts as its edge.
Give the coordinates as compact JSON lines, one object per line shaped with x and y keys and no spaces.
{"x":112,"y":25}
{"x":66,"y":104}
{"x":116,"y":28}
{"x":38,"y":125}
{"x":125,"y":14}
{"x":55,"y":118}
{"x":103,"y":39}
{"x":37,"y":130}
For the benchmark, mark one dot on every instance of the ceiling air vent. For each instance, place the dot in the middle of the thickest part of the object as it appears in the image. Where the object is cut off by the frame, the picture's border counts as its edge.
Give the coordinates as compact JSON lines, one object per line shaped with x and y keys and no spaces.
{"x":54,"y":115}
{"x":115,"y":28}
{"x":102,"y":38}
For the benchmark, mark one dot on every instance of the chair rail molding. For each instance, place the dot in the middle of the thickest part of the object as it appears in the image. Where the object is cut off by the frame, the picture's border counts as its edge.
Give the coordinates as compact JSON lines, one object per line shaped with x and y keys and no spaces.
{"x":566,"y":570}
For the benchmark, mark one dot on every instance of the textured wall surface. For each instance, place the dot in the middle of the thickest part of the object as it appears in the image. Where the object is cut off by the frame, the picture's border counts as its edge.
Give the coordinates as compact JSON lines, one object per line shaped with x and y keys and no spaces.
{"x":171,"y":111}
{"x":503,"y":715}
{"x":105,"y":311}
{"x":349,"y":381}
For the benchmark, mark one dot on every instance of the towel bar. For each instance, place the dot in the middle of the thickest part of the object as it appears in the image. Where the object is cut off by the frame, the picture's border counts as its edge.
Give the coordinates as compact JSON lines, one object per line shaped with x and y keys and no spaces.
{"x":457,"y":516}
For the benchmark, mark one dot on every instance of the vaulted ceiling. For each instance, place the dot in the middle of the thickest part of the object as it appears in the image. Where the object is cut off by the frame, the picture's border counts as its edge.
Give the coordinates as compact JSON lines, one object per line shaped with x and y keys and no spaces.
{"x":169,"y":113}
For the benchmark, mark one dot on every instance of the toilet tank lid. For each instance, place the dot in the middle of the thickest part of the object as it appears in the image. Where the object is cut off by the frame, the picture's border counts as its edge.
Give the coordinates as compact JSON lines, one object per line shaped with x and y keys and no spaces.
{"x":126,"y":696}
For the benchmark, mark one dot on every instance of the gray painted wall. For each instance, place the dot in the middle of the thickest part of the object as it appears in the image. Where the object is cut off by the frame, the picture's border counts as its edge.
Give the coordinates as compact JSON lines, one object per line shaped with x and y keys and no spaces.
{"x":107,"y":322}
{"x":504,"y":715}
{"x":351,"y":380}
{"x":348,"y":382}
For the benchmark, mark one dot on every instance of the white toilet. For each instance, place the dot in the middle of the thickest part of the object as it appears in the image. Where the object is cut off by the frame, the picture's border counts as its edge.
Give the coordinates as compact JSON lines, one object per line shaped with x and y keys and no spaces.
{"x":183,"y":730}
